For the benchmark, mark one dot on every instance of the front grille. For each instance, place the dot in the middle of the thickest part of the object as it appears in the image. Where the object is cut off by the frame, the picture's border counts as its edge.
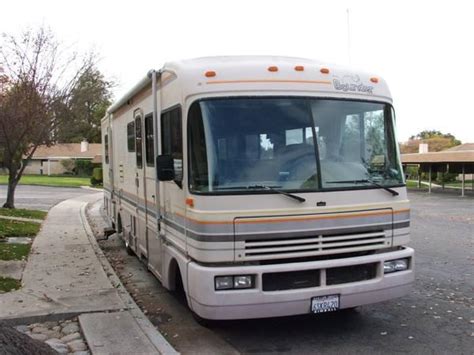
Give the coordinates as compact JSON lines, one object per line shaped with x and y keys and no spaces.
{"x":354,"y":273}
{"x":278,"y":281}
{"x":290,"y":280}
{"x":314,"y":245}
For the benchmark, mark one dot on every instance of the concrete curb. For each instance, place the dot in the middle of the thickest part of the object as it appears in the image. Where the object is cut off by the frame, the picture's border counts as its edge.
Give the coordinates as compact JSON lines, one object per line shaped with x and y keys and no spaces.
{"x":163,"y":346}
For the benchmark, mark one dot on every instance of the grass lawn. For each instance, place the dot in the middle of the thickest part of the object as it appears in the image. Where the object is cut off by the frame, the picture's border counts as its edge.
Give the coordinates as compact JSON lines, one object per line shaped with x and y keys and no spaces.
{"x":467,"y":185}
{"x":412,"y":184}
{"x":45,"y":180}
{"x":14,"y":251}
{"x":18,"y":212}
{"x":7,"y":284}
{"x":10,"y":228}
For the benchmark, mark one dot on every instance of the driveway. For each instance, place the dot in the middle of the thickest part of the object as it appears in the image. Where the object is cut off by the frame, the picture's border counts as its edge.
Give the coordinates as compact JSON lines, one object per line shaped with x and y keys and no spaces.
{"x":41,"y":197}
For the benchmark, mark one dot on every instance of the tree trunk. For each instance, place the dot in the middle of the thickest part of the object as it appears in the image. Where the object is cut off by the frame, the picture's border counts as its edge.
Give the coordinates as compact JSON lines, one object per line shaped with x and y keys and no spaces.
{"x":12,"y":182}
{"x":15,"y":343}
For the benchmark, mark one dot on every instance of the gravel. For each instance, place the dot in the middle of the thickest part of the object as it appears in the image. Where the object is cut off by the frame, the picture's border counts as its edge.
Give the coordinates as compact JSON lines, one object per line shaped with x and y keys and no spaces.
{"x":64,"y":336}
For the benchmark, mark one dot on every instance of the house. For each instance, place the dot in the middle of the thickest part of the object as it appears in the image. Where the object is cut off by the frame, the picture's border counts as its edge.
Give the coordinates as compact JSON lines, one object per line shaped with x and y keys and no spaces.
{"x":463,"y":148}
{"x":458,"y":160}
{"x":49,"y":160}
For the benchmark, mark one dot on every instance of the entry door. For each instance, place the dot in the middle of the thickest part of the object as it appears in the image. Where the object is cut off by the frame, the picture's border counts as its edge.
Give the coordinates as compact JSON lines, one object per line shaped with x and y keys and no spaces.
{"x":140,"y":185}
{"x":173,"y":204}
{"x":152,"y":199}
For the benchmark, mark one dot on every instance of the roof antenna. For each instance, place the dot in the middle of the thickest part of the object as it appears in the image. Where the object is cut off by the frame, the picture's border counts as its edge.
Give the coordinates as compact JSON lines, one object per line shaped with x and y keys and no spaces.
{"x":348,"y":37}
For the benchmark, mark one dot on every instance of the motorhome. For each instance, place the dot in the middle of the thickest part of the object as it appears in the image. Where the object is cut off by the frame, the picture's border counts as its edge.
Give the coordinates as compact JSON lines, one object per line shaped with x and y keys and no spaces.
{"x":263,"y":186}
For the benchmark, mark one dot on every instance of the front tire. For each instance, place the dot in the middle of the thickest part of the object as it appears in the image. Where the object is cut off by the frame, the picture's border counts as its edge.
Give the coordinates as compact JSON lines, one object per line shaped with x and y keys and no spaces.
{"x":206,"y":323}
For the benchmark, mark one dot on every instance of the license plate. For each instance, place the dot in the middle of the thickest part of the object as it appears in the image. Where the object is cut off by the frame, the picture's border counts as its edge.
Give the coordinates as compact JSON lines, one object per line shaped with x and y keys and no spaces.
{"x":323,"y":304}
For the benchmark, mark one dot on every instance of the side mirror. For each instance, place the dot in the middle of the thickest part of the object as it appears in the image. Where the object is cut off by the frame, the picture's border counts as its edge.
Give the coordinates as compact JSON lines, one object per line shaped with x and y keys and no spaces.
{"x":165,"y":167}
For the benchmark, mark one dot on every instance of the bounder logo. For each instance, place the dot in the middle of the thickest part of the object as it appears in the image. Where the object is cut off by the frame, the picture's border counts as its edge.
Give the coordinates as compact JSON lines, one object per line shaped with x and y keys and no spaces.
{"x":351,"y":83}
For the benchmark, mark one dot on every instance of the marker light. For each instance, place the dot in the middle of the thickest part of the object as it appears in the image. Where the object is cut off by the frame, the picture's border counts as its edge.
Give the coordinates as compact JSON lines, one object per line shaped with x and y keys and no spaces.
{"x":190,"y":202}
{"x":395,"y":265}
{"x":210,"y":74}
{"x":299,"y":68}
{"x":273,"y":68}
{"x":374,"y":80}
{"x":324,"y":70}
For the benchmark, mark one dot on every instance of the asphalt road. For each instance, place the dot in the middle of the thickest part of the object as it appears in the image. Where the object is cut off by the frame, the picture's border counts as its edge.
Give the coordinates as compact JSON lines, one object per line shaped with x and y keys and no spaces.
{"x":437,"y":317}
{"x":41,"y":197}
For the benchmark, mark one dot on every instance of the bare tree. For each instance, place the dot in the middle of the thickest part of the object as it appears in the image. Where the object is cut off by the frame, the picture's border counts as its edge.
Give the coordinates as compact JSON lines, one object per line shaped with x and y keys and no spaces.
{"x":38,"y":78}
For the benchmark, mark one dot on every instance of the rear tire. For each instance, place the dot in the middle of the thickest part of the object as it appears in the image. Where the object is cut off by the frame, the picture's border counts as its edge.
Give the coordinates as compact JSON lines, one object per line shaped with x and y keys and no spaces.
{"x":125,"y":237}
{"x":128,"y":248}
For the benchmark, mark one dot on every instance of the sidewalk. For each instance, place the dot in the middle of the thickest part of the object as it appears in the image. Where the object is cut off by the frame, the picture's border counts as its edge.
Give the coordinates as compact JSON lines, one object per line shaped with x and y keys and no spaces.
{"x":65,"y":277}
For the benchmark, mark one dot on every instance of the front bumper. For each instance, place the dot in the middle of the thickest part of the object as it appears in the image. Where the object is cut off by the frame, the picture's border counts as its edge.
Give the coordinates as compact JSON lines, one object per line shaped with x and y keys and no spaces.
{"x":256,"y":303}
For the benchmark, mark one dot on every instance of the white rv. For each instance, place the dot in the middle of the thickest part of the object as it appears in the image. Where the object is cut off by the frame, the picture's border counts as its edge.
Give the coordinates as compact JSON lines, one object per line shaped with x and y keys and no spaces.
{"x":268,"y":186}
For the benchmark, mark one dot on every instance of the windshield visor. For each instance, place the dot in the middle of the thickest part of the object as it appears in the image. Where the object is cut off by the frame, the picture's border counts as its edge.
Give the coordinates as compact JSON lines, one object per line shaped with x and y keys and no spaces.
{"x":293,"y":144}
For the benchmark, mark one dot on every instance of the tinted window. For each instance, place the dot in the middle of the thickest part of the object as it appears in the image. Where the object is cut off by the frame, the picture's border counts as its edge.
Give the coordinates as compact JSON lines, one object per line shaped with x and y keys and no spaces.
{"x":249,"y":144}
{"x":106,"y":147}
{"x":138,"y":141}
{"x":131,"y":137}
{"x":243,"y":144}
{"x":172,"y":140}
{"x":149,"y":141}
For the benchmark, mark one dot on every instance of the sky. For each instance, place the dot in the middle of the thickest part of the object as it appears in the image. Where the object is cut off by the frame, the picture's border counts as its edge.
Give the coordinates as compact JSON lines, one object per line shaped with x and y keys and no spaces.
{"x":423,"y":49}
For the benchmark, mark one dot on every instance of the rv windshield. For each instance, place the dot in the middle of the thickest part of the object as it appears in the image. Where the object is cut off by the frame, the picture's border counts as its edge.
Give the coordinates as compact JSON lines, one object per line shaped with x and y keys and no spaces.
{"x":292,"y":144}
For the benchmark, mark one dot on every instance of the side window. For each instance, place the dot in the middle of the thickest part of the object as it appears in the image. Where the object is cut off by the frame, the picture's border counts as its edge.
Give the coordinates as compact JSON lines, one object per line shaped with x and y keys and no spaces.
{"x":138,"y":141}
{"x":172,"y":140}
{"x":106,"y":148}
{"x":131,"y":137}
{"x":149,"y":141}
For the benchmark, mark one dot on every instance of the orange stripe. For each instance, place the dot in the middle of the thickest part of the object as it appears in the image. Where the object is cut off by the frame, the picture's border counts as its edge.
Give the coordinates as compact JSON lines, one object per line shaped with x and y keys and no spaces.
{"x":326,"y":82}
{"x":274,"y":220}
{"x":202,"y":222}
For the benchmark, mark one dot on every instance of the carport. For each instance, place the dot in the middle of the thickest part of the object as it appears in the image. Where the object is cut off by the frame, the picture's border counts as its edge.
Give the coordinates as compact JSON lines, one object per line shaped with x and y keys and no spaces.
{"x":452,"y":161}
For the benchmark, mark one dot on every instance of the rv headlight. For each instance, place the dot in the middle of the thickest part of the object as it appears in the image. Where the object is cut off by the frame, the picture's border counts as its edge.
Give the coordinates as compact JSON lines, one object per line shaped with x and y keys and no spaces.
{"x":388,"y":267}
{"x":224,"y":282}
{"x":401,"y":264}
{"x":243,"y":281}
{"x":395,"y":265}
{"x":233,"y":282}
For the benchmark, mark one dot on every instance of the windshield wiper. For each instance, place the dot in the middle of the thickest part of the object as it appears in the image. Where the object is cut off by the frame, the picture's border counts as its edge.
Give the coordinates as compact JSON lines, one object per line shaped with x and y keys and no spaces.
{"x":272,"y":188}
{"x":392,"y":191}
